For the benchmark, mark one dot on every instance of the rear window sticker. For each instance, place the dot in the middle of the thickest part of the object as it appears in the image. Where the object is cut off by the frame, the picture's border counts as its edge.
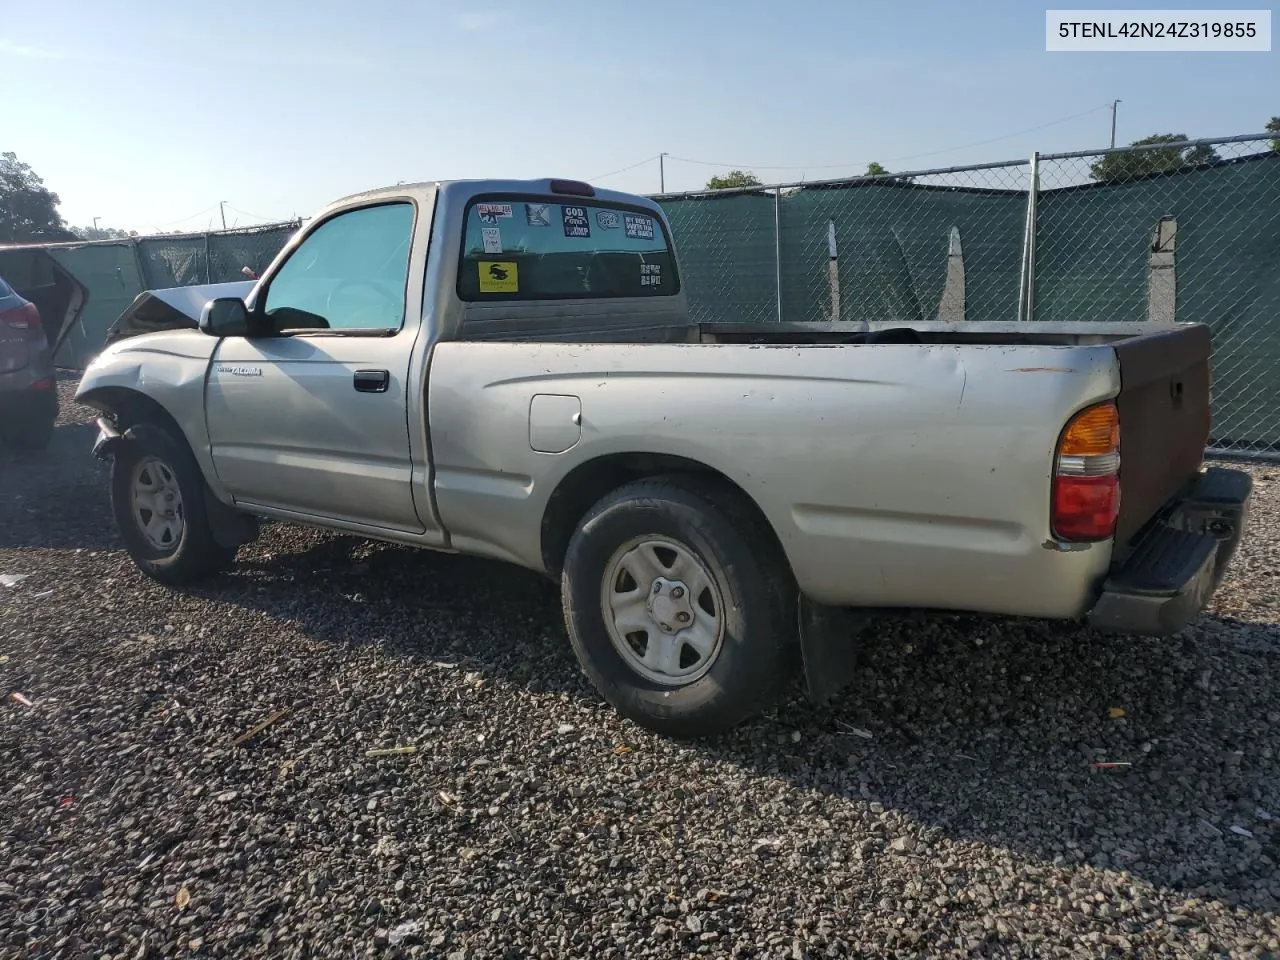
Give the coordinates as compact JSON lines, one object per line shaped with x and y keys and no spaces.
{"x":576,"y":223}
{"x":491,"y":212}
{"x":638,"y":227}
{"x":499,"y":276}
{"x":607,"y":219}
{"x":650,"y":274}
{"x":538,"y":214}
{"x":492,"y":239}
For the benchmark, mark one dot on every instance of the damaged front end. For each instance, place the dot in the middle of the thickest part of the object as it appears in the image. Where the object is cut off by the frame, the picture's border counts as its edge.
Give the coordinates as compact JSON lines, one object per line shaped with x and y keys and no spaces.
{"x":171,"y":308}
{"x":108,"y":439}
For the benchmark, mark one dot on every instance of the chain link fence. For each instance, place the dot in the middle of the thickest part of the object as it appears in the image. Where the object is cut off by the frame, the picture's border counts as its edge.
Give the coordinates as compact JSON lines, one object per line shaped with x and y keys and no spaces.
{"x":1170,"y":233}
{"x":181,"y":260}
{"x":1174,"y":232}
{"x":113,"y":272}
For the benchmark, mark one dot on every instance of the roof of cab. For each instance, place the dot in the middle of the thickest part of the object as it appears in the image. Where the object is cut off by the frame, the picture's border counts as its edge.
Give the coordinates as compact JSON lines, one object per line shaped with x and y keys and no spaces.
{"x":473,"y":187}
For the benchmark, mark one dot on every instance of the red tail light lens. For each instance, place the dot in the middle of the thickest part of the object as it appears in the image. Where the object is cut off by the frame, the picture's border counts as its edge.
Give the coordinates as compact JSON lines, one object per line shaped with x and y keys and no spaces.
{"x":1086,"y":482}
{"x":25,"y":317}
{"x":1085,"y":508}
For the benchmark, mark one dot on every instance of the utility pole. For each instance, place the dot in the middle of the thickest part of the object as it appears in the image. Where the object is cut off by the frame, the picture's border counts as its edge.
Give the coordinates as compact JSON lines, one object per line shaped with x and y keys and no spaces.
{"x":662,"y":173}
{"x":222,"y":210}
{"x":95,"y":223}
{"x":1113,"y":121}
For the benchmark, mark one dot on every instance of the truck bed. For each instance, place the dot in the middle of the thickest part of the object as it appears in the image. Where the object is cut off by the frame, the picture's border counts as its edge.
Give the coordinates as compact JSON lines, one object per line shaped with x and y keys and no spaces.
{"x":1163,"y":400}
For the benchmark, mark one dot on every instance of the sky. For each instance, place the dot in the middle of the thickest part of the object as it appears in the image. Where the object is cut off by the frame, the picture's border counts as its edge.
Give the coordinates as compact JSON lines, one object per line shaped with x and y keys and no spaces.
{"x":147,"y":114}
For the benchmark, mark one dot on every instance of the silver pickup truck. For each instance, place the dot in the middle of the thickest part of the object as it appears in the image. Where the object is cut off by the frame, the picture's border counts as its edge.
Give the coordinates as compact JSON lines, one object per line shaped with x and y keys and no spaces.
{"x":508,"y":369}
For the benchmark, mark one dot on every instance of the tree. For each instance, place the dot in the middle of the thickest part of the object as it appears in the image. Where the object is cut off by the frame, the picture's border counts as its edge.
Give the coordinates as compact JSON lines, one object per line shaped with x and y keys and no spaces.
{"x":734,"y":178}
{"x":1118,"y":167}
{"x":103,"y":233}
{"x":875,"y":170}
{"x":1273,"y":126}
{"x":28,"y":209}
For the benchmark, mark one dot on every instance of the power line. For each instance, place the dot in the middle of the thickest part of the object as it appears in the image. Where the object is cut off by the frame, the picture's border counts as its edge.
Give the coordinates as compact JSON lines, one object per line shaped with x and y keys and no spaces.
{"x":255,"y":216}
{"x":639,"y":163}
{"x":913,"y":156}
{"x":185,"y":219}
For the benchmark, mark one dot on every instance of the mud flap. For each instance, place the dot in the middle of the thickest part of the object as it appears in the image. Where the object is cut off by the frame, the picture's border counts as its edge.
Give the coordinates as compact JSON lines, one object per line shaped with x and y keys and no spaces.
{"x":230,"y":527}
{"x":830,"y":645}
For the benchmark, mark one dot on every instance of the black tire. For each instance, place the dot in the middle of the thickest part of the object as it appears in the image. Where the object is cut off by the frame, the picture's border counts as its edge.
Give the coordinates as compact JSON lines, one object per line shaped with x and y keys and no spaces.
{"x":195,"y":554}
{"x":759,"y":653}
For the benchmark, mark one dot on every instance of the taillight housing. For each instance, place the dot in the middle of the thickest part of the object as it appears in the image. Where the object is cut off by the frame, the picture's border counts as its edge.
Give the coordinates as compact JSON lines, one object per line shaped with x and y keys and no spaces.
{"x":25,"y":317}
{"x":1086,"y":475}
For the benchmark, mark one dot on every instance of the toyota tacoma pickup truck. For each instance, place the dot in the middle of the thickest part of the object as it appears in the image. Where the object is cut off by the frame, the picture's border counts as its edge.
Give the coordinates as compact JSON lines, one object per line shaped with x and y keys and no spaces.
{"x":508,"y":369}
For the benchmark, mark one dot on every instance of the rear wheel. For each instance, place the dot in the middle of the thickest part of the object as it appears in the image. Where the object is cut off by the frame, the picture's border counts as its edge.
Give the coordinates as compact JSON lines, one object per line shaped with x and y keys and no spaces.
{"x":679,"y":606}
{"x":157,"y":495}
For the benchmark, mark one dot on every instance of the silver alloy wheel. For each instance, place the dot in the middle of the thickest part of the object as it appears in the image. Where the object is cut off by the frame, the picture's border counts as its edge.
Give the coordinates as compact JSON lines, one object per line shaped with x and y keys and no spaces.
{"x":663,"y":610}
{"x":157,"y":504}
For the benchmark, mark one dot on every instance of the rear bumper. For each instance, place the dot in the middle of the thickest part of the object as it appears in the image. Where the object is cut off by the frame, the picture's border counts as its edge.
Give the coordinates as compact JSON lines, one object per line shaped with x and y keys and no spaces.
{"x":1173,"y":571}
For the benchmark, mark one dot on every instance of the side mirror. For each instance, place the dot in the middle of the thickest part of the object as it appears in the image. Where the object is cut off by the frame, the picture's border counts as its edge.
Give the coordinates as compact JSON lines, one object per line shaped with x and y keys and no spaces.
{"x":225,"y":317}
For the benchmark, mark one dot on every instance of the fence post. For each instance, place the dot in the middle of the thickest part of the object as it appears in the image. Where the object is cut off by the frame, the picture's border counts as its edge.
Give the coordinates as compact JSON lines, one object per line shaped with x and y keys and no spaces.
{"x":777,"y":247}
{"x":143,"y":282}
{"x":1027,"y":282}
{"x":206,"y":257}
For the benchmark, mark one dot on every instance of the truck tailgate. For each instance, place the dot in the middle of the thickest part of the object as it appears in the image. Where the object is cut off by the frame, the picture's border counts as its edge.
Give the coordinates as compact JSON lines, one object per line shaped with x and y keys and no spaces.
{"x":1164,"y":420}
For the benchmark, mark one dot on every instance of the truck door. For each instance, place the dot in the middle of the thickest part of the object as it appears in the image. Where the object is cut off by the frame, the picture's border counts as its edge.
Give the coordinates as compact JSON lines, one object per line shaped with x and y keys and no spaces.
{"x":312,"y":417}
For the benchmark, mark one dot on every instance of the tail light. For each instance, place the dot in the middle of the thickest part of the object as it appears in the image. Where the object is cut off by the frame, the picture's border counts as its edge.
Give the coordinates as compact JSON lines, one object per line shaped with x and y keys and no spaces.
{"x":25,"y":317}
{"x":1086,"y":480}
{"x":574,"y":188}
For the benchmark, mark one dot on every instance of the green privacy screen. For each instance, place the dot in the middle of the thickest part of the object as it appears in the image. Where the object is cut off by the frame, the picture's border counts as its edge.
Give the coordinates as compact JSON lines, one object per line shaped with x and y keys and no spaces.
{"x":1093,"y":261}
{"x":747,"y":257}
{"x":110,"y":274}
{"x":114,"y":272}
{"x":1092,"y":252}
{"x":892,"y":241}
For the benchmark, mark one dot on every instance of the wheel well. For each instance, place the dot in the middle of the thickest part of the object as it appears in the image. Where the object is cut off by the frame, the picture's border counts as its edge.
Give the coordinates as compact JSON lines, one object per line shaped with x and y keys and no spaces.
{"x":128,"y":407}
{"x":587,"y":483}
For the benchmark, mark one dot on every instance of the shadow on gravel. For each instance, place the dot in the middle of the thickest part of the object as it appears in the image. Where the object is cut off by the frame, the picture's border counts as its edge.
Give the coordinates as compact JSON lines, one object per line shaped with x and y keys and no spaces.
{"x":56,"y":498}
{"x":351,"y":592}
{"x":991,"y":733}
{"x":985,"y":731}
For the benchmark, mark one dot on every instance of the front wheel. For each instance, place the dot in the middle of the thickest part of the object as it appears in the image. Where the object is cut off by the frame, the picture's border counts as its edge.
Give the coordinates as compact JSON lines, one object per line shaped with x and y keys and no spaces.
{"x":157,"y":496}
{"x":679,"y":605}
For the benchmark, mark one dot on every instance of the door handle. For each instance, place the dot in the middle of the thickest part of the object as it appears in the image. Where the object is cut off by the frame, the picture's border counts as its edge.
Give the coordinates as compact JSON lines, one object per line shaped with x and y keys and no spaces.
{"x":371,"y":381}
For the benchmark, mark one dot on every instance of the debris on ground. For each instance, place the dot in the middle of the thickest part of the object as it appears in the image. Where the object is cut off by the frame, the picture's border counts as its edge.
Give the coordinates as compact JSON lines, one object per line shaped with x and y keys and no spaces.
{"x":399,"y":934}
{"x":258,"y":728}
{"x":390,"y":751}
{"x":856,"y":731}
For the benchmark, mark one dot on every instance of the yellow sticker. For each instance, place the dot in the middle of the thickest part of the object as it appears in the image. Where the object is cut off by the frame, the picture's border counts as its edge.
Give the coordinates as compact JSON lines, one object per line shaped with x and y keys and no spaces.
{"x":499,"y":276}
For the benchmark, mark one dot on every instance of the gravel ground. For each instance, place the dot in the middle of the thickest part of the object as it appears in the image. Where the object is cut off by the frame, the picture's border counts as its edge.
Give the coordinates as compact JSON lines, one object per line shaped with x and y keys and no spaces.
{"x":945,"y":805}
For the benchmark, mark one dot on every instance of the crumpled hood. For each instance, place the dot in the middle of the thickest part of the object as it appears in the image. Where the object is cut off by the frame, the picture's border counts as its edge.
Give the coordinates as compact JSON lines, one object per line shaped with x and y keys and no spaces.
{"x":171,"y":308}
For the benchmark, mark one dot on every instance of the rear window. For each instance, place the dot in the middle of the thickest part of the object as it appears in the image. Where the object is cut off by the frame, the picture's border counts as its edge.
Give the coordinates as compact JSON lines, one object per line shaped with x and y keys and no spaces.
{"x":537,"y":249}
{"x":5,"y":289}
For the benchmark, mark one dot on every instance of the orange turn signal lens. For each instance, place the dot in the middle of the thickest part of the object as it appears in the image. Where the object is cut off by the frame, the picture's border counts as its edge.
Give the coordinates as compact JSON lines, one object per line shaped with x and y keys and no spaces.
{"x":1092,"y":432}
